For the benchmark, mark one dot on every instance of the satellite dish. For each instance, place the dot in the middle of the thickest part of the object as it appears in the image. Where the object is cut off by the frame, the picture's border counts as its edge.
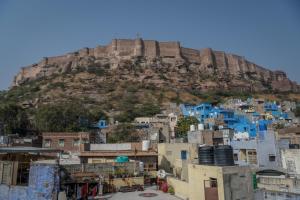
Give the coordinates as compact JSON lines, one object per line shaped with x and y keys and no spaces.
{"x":161,"y":173}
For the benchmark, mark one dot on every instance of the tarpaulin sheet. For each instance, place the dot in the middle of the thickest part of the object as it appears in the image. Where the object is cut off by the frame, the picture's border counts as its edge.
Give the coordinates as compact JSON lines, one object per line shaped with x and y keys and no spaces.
{"x":43,"y":182}
{"x":17,"y":193}
{"x":43,"y":185}
{"x":4,"y":191}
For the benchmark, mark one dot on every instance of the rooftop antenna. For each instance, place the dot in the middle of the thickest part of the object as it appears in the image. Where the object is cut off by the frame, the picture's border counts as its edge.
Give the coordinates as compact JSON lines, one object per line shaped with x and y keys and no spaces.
{"x":138,"y":35}
{"x":115,"y":35}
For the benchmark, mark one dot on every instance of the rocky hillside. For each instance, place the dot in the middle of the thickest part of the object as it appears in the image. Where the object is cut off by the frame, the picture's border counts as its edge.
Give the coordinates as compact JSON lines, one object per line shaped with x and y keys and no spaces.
{"x":140,"y":71}
{"x":163,"y":64}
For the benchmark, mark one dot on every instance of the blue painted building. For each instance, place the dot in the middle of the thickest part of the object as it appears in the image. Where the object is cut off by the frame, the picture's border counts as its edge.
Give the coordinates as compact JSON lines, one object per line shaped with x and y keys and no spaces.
{"x":269,"y":107}
{"x":203,"y":111}
{"x":275,"y":111}
{"x":243,"y":124}
{"x":186,"y":109}
{"x":250,"y":123}
{"x":102,"y":124}
{"x":99,"y":128}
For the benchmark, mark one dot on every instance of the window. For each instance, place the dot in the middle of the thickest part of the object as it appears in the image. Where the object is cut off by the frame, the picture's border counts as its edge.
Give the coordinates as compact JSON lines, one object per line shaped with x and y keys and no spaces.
{"x":61,"y":142}
{"x":291,"y":166}
{"x":251,"y":157}
{"x":235,"y":157}
{"x":213,"y":182}
{"x":76,"y":142}
{"x":150,"y":165}
{"x":47,"y":143}
{"x":273,"y":194}
{"x":85,"y":141}
{"x":183,"y":155}
{"x":272,"y":158}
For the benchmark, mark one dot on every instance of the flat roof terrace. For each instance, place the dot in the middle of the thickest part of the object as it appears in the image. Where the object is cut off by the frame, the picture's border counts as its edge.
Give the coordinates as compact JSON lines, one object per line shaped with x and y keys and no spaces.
{"x":28,"y":150}
{"x":159,"y":195}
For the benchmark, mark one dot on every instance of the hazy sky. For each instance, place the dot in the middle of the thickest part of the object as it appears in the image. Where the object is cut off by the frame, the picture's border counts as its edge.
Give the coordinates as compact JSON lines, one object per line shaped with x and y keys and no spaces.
{"x":265,"y":32}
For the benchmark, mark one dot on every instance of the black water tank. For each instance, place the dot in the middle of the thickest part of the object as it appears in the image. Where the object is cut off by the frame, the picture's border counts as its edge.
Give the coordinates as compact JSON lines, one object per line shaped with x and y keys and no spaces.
{"x":223,"y":155}
{"x":294,"y":146}
{"x":206,"y":155}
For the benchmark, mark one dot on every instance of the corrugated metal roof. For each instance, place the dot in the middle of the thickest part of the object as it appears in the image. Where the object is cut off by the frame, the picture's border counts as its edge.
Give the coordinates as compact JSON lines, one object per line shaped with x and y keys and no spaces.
{"x":117,"y":153}
{"x":27,"y":150}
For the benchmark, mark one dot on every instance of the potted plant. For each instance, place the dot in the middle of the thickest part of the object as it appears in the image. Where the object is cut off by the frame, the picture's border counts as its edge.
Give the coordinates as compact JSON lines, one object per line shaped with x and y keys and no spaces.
{"x":171,"y":190}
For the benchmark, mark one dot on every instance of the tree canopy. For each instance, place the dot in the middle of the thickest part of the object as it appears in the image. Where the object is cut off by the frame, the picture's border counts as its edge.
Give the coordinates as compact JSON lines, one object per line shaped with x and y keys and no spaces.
{"x":183,"y":126}
{"x":123,"y":133}
{"x":297,"y":111}
{"x":65,"y":117}
{"x":13,"y":119}
{"x":131,"y":110}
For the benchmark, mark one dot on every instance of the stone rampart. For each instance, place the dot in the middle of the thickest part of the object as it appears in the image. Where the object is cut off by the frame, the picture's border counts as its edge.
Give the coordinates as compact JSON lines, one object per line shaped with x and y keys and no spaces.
{"x":151,"y":48}
{"x":169,"y":49}
{"x":191,"y":55}
{"x":100,"y":51}
{"x":217,"y":63}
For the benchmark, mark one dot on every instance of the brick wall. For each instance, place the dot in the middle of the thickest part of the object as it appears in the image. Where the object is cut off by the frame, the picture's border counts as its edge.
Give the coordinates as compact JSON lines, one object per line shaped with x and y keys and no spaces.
{"x":72,"y":141}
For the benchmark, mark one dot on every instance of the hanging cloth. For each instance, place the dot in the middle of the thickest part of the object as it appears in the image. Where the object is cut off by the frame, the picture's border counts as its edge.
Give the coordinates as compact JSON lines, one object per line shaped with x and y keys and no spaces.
{"x":84,"y":190}
{"x":94,"y":191}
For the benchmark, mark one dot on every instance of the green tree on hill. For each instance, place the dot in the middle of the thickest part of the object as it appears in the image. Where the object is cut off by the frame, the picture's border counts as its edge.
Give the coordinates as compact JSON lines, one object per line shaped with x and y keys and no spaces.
{"x":297,"y":111}
{"x":65,"y":117}
{"x":183,"y":126}
{"x":13,"y":118}
{"x":123,"y":133}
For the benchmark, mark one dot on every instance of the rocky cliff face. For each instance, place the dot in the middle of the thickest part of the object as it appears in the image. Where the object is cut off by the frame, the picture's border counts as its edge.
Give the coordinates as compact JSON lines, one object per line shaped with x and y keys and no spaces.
{"x":163,"y":63}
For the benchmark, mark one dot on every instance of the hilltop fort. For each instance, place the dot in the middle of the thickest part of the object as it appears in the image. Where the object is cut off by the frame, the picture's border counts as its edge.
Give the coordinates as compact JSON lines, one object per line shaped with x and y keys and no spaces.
{"x":216,"y":67}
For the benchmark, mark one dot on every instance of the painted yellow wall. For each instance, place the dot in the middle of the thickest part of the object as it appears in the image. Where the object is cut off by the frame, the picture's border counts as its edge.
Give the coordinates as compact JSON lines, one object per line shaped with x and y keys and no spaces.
{"x":197,"y":175}
{"x":119,"y":182}
{"x":100,"y":160}
{"x":181,"y":188}
{"x":237,"y":185}
{"x":168,"y":153}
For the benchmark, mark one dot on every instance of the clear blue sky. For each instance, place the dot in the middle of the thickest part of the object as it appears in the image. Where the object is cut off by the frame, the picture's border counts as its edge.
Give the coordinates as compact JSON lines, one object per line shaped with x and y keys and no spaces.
{"x":265,"y":32}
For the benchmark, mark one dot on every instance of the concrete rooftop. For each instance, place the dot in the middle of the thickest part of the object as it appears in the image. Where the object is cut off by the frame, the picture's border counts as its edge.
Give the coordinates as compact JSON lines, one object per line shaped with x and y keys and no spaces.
{"x":135,"y":195}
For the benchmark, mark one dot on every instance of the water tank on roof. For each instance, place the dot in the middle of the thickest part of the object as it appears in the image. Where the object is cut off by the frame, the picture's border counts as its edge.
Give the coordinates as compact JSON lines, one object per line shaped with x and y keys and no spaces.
{"x":294,"y":146}
{"x":223,"y":155}
{"x":192,"y":128}
{"x":206,"y":155}
{"x":200,"y":127}
{"x":122,"y":159}
{"x":145,"y":145}
{"x":141,"y":166}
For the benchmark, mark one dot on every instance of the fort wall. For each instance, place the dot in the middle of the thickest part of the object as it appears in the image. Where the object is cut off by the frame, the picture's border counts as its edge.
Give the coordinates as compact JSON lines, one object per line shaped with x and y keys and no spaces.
{"x":125,"y":47}
{"x":151,"y":48}
{"x":138,"y":47}
{"x":59,"y":59}
{"x":101,"y":51}
{"x":206,"y":56}
{"x":191,"y":55}
{"x":84,"y":52}
{"x":221,"y":61}
{"x":169,"y":49}
{"x":208,"y":60}
{"x":235,"y":64}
